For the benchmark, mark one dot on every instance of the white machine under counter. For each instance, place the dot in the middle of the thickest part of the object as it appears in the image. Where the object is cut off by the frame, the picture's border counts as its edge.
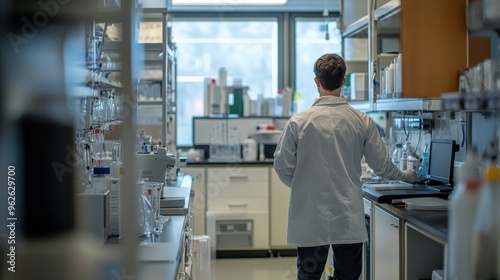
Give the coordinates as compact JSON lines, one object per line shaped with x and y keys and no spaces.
{"x":238,"y":207}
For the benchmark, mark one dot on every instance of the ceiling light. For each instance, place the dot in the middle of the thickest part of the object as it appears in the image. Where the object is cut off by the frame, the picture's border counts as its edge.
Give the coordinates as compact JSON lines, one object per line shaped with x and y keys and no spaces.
{"x":229,"y":2}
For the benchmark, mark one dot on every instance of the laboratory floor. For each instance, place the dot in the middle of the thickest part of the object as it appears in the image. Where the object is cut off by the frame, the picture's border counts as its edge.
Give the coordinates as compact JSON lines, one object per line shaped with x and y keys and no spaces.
{"x":280,"y":268}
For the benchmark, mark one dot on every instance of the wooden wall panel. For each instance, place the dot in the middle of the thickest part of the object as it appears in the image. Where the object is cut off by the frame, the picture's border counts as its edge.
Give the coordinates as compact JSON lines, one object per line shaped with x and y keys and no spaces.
{"x":479,"y":50}
{"x":434,"y":46}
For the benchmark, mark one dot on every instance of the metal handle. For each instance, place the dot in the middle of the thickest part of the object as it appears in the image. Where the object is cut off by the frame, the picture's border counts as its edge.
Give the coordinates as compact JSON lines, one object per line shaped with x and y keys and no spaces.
{"x":242,"y":204}
{"x":238,"y":177}
{"x":394,"y":225}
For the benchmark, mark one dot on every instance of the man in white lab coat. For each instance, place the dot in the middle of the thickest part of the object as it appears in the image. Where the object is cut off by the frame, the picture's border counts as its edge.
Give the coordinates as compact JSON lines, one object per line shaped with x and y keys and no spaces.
{"x":319,"y":157}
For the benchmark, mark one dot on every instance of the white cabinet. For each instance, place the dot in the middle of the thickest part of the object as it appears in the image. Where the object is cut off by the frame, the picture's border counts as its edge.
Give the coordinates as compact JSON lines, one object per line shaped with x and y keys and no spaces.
{"x":368,"y":248}
{"x":279,"y":200}
{"x":236,"y":188}
{"x":238,"y":207}
{"x":199,"y":205}
{"x":386,"y":247}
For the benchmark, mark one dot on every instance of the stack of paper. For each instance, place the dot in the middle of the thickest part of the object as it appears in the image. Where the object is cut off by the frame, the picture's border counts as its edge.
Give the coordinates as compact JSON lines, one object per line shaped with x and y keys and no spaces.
{"x":426,"y":203}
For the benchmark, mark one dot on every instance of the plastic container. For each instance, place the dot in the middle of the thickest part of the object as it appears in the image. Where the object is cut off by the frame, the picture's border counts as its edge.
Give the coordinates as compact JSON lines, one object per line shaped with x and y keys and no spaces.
{"x":201,"y":257}
{"x":423,"y":170}
{"x":389,"y":81}
{"x":398,"y":76}
{"x":412,"y":163}
{"x":462,"y":208}
{"x":100,"y":179}
{"x":487,"y":225}
{"x":249,"y":149}
{"x":403,"y":160}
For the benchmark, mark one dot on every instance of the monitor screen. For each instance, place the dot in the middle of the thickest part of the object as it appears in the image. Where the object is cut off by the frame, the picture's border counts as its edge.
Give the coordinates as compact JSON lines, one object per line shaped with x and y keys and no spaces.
{"x":441,"y":160}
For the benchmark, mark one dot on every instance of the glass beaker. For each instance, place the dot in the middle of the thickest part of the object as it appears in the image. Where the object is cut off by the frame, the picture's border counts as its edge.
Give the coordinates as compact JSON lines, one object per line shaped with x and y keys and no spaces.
{"x":145,"y":211}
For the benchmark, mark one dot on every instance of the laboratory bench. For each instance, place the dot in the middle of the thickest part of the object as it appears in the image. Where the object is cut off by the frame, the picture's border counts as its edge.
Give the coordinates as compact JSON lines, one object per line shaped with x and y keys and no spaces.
{"x":432,"y":222}
{"x":414,"y":239}
{"x":168,"y":256}
{"x":265,"y":162}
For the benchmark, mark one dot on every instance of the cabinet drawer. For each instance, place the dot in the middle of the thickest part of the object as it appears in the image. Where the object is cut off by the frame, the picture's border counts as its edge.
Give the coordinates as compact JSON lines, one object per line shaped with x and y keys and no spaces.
{"x":237,"y":174}
{"x":241,"y":204}
{"x":236,"y":188}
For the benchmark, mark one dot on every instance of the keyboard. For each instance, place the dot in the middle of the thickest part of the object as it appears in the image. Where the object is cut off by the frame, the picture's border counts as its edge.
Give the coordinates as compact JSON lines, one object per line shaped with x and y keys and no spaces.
{"x":441,"y":188}
{"x":388,"y":185}
{"x":434,"y":185}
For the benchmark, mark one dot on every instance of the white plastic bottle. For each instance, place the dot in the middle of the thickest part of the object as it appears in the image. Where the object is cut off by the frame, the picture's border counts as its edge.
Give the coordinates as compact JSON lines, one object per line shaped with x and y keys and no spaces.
{"x":398,"y":76}
{"x":486,"y":230}
{"x":462,"y":208}
{"x":249,"y":149}
{"x":389,"y":81}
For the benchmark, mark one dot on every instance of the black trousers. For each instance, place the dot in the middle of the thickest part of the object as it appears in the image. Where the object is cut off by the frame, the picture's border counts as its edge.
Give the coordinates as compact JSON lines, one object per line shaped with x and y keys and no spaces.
{"x":347,"y":261}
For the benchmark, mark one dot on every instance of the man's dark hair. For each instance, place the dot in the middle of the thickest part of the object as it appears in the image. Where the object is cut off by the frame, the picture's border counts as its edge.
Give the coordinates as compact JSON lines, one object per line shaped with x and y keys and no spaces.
{"x":330,"y":70}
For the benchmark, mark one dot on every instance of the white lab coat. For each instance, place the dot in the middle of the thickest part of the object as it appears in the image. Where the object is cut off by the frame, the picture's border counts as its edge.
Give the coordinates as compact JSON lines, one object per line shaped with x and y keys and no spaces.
{"x":319,"y":158}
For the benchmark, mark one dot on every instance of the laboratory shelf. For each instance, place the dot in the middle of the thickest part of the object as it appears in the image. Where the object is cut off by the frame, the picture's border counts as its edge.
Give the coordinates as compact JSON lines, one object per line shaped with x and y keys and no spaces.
{"x":108,"y":83}
{"x":408,"y":104}
{"x":360,"y":105}
{"x":387,"y":18}
{"x":357,"y":29}
{"x":473,"y":102}
{"x":388,"y":10}
{"x":102,"y":82}
{"x":150,"y":103}
{"x":111,"y":46}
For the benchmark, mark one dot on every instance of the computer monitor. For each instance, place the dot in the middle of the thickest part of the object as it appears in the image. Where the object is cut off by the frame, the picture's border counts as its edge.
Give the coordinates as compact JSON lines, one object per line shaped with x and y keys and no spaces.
{"x":441,"y":160}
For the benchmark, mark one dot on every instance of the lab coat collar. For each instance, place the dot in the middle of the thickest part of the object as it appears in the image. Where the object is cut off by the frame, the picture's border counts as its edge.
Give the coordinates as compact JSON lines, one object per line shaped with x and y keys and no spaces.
{"x":329,"y":101}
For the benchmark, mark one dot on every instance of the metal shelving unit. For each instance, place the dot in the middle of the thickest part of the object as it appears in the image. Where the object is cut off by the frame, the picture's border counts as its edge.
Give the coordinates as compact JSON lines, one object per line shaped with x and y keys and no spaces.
{"x":162,"y":57}
{"x":383,"y":22}
{"x":357,"y":29}
{"x":408,"y":104}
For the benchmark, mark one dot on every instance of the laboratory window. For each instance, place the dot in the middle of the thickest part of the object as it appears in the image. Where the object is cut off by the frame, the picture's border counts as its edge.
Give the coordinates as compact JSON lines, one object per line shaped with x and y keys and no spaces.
{"x":247,"y":49}
{"x":313,"y":38}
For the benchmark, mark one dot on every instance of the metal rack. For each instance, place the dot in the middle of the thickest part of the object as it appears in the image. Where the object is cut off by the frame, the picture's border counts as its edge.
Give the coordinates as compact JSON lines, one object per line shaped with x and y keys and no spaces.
{"x":381,"y":21}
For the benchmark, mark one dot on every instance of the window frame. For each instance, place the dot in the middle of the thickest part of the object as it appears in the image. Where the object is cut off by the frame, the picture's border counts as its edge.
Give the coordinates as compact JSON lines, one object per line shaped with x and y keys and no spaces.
{"x":286,"y":35}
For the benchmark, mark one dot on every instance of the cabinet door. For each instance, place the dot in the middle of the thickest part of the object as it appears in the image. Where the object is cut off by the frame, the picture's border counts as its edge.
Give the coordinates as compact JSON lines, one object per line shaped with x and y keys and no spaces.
{"x":368,"y":249}
{"x":386,"y":246}
{"x":238,"y":189}
{"x":280,"y":197}
{"x":199,"y":205}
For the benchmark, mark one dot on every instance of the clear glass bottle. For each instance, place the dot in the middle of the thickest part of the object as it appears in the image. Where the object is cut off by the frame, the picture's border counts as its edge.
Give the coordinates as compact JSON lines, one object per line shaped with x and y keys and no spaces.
{"x":396,"y":155}
{"x":383,"y":93}
{"x":145,"y":210}
{"x":116,"y":166}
